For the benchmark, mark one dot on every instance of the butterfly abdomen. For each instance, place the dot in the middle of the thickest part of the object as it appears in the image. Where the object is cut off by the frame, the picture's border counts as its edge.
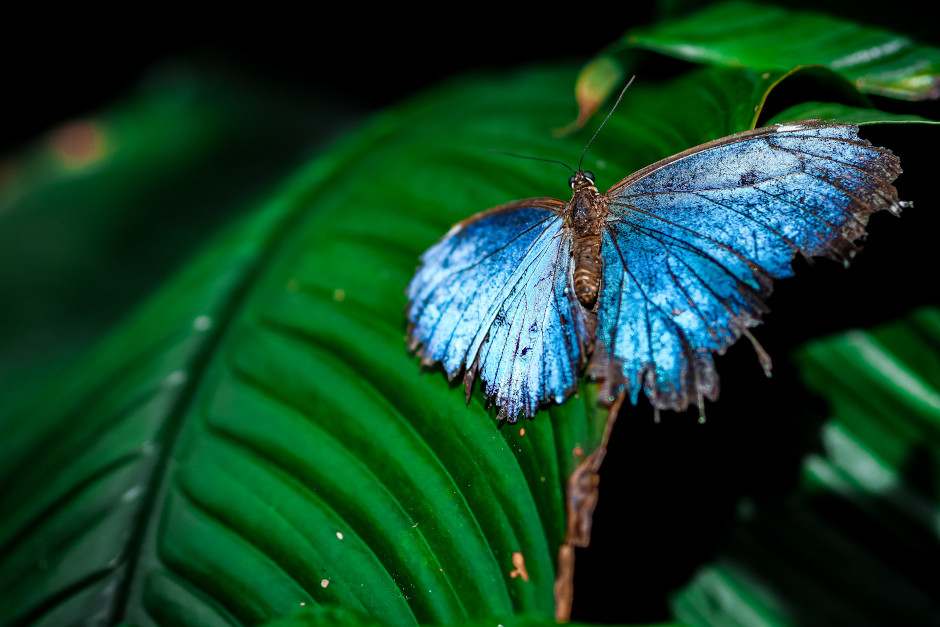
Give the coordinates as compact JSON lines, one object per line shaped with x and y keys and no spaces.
{"x":587,"y":269}
{"x":586,"y":211}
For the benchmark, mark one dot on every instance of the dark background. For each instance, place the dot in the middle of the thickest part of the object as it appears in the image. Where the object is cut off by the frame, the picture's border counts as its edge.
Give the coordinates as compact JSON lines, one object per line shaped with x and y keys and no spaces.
{"x":65,"y":63}
{"x":67,"y":69}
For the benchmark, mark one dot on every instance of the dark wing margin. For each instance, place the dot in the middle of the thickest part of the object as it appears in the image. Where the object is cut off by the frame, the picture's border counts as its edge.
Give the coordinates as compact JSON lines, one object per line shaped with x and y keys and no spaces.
{"x":492,"y":300}
{"x":693,"y":242}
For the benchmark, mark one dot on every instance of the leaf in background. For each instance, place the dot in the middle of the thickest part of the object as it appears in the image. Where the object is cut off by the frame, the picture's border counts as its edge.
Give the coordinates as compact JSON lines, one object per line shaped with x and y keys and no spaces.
{"x":595,"y":82}
{"x":658,"y":119}
{"x":764,"y":37}
{"x":856,"y":543}
{"x":102,"y":209}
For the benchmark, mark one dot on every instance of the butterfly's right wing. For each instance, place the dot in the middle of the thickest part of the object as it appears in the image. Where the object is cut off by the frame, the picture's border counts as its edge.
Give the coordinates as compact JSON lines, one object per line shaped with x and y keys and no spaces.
{"x":692,"y":243}
{"x":492,"y":299}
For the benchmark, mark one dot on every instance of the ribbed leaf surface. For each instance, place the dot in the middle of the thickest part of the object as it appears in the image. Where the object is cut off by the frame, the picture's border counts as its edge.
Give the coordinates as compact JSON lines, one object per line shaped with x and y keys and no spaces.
{"x":257,"y":439}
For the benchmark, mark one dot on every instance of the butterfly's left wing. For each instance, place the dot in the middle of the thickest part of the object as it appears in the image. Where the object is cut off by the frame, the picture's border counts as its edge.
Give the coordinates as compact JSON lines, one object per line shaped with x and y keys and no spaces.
{"x":692,"y":242}
{"x":492,"y":299}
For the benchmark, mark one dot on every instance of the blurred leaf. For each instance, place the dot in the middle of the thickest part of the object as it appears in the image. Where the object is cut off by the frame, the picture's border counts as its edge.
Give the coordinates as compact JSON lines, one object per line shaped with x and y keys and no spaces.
{"x":655,"y":119}
{"x":896,"y":419}
{"x":102,"y":209}
{"x":763,"y":36}
{"x":595,"y":82}
{"x":855,"y":544}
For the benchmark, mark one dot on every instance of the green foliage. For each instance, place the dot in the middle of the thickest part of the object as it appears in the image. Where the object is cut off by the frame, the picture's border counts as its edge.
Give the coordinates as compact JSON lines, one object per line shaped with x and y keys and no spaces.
{"x":338,"y":616}
{"x":90,"y":213}
{"x":257,"y":439}
{"x":743,"y":34}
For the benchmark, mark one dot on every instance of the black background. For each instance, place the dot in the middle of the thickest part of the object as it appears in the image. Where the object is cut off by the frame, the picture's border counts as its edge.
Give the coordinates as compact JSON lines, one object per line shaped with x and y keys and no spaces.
{"x":57,"y":71}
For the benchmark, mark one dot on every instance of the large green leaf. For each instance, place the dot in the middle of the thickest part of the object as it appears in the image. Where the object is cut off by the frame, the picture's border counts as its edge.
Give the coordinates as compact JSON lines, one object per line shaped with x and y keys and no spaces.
{"x":774,"y":39}
{"x":764,"y":36}
{"x":260,"y":427}
{"x":257,"y":438}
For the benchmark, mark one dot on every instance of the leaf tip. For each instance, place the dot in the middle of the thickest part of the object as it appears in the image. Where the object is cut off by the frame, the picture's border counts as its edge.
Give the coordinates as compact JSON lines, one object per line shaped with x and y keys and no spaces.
{"x":595,"y":82}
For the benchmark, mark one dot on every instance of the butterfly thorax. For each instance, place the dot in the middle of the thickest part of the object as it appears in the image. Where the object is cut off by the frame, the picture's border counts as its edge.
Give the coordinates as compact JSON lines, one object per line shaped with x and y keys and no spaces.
{"x":585,"y":212}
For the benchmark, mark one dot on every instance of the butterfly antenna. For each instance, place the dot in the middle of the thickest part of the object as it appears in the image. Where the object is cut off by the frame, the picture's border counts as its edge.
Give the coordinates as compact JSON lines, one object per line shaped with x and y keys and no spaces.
{"x":612,"y":109}
{"x":512,"y":154}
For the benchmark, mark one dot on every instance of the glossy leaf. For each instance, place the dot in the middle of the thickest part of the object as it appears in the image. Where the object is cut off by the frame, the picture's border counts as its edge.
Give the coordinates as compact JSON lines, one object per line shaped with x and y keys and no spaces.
{"x":261,"y":420}
{"x":765,"y":37}
{"x":737,"y":34}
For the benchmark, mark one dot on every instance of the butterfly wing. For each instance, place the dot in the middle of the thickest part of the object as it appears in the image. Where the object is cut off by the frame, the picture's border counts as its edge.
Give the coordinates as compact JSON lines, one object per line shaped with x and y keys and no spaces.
{"x":692,"y":242}
{"x":492,"y":299}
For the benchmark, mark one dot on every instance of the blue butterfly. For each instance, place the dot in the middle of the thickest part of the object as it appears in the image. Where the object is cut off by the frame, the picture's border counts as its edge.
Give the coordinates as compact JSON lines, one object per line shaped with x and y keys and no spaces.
{"x":643,"y":284}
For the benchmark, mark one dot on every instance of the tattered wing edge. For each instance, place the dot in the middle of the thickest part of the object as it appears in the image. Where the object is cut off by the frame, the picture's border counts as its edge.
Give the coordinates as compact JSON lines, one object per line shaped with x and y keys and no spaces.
{"x":703,"y":378}
{"x":471,"y":371}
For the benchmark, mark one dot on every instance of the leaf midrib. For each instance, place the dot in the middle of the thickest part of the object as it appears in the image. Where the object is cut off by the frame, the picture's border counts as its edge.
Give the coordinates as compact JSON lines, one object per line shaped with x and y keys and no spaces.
{"x":228,"y":313}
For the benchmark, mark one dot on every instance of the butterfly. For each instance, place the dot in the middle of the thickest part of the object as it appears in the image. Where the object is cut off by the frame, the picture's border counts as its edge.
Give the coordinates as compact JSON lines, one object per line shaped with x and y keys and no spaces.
{"x":640,"y":286}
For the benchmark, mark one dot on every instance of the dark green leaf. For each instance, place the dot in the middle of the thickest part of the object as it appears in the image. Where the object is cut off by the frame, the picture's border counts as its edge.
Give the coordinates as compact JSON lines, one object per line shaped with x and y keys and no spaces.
{"x":736,"y":34}
{"x":767,"y":38}
{"x":343,"y":618}
{"x":260,"y":427}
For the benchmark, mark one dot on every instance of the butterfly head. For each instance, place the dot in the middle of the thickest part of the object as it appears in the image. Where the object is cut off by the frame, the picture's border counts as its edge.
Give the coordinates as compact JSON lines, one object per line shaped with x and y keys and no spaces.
{"x":581,"y":179}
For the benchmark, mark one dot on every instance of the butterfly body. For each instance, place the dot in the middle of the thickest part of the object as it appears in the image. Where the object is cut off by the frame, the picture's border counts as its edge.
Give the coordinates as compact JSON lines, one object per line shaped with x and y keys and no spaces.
{"x":585,"y":214}
{"x":640,"y":286}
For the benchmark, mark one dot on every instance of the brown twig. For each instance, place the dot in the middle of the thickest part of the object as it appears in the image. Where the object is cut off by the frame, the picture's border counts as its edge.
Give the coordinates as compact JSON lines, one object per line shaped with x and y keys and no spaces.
{"x":581,"y":499}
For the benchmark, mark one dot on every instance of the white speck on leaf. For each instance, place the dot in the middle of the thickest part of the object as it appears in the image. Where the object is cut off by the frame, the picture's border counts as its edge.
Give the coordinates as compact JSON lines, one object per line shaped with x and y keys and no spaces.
{"x":131,"y":494}
{"x":177,"y":377}
{"x":202,"y":323}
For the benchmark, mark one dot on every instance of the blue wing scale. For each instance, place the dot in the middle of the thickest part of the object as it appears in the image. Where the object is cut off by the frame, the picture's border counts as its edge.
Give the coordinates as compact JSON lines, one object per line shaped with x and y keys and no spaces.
{"x":492,"y":300}
{"x":692,"y":243}
{"x":689,"y":248}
